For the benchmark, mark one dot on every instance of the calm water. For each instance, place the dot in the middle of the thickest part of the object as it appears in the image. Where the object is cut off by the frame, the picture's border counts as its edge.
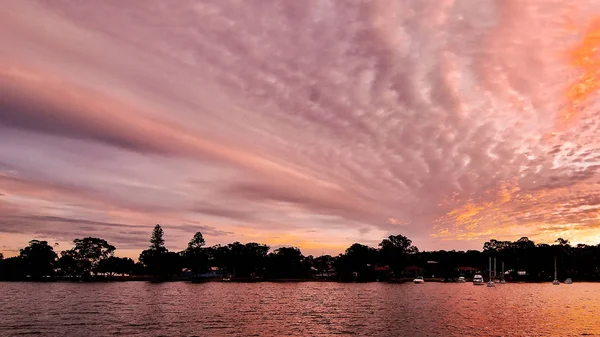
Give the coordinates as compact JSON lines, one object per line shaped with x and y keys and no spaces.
{"x":298,"y":309}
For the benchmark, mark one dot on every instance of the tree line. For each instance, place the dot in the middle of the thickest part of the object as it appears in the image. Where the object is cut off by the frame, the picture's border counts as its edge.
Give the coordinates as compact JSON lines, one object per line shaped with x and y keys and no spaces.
{"x":395,"y":259}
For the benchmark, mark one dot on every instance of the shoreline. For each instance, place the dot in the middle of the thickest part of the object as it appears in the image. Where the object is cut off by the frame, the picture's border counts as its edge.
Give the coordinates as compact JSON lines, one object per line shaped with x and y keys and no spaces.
{"x":151,"y":280}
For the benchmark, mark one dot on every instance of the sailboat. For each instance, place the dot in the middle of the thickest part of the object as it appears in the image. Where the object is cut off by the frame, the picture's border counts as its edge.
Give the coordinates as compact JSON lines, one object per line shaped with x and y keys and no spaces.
{"x":555,"y":282}
{"x":490,"y":282}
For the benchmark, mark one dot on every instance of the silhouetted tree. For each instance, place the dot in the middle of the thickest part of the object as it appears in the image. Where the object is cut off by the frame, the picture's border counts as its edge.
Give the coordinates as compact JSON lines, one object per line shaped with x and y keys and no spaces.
{"x":287,"y":262}
{"x":255,"y":255}
{"x":562,"y":251}
{"x":152,"y":261}
{"x":157,"y":242}
{"x":38,"y":259}
{"x":324,"y":265}
{"x":88,"y":252}
{"x":239,"y":260}
{"x":68,"y":266}
{"x":524,"y":243}
{"x":12,"y":269}
{"x":357,"y":263}
{"x":126,"y":266}
{"x":393,"y":251}
{"x":162,"y":264}
{"x":195,"y":256}
{"x":309,"y":266}
{"x":197,"y":242}
{"x":217,"y":256}
{"x":158,"y":260}
{"x":172,"y":264}
{"x":139,"y":269}
{"x":494,"y":245}
{"x":323,"y":262}
{"x":251,"y":260}
{"x":116,"y":265}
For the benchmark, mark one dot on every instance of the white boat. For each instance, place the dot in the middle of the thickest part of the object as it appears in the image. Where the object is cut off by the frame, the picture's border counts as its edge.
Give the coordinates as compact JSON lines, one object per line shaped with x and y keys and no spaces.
{"x":478,"y":280}
{"x":419,"y":280}
{"x":568,"y":281}
{"x":461,"y":279}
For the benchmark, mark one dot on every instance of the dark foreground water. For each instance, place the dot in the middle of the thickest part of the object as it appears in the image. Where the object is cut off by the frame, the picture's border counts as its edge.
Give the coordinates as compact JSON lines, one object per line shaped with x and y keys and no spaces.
{"x":298,"y":309}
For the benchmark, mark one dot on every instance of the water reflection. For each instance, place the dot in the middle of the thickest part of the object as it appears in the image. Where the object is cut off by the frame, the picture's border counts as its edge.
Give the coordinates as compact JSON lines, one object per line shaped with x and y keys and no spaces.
{"x":299,"y":309}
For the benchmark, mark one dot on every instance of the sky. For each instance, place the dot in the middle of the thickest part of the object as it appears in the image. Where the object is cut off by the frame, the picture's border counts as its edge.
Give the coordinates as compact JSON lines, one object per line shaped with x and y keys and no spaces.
{"x":314,"y":124}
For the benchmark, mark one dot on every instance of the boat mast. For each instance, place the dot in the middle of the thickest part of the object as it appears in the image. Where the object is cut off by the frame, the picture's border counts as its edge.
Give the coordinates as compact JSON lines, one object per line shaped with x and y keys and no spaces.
{"x":555,"y":282}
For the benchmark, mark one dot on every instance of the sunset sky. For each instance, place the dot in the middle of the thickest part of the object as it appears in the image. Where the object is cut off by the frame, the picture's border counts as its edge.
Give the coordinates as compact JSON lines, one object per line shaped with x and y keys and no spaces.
{"x":314,"y":123}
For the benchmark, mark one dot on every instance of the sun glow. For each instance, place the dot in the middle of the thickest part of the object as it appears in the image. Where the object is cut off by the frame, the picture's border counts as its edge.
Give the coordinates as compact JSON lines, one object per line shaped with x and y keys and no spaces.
{"x":586,"y":58}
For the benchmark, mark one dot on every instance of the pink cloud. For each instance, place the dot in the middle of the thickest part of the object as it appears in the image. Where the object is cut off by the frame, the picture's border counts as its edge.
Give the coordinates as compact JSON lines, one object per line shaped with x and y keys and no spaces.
{"x":326,"y":116}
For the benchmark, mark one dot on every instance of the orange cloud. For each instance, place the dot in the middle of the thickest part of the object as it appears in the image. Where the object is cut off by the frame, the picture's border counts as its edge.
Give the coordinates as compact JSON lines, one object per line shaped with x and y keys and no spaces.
{"x":585,"y":57}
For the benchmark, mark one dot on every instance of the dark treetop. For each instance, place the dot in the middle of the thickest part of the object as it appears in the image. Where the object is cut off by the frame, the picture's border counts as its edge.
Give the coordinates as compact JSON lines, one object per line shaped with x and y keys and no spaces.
{"x":395,"y":259}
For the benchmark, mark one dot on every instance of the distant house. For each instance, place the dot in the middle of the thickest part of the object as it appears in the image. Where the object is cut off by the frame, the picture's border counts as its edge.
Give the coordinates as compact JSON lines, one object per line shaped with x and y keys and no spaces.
{"x":324,"y":274}
{"x":518,"y":275}
{"x":383,"y":272}
{"x":213,"y":272}
{"x":467,"y":271}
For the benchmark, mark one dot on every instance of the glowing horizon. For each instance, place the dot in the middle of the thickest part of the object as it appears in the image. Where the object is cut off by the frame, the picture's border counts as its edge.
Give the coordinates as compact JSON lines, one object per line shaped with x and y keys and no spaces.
{"x":318,"y":125}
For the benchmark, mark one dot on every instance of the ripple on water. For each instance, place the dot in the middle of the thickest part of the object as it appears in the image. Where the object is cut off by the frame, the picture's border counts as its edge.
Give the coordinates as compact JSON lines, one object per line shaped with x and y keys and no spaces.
{"x":315,"y":309}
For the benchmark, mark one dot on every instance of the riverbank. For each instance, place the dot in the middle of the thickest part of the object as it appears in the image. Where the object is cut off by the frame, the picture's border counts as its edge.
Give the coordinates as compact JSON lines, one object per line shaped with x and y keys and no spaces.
{"x":149,"y":278}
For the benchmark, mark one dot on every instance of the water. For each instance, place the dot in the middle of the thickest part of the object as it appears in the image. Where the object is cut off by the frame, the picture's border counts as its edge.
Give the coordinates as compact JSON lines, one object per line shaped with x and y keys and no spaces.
{"x":298,"y":309}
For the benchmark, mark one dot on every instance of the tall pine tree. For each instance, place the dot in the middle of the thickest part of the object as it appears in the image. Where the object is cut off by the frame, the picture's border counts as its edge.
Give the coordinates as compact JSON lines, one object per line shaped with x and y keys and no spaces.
{"x":157,"y":243}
